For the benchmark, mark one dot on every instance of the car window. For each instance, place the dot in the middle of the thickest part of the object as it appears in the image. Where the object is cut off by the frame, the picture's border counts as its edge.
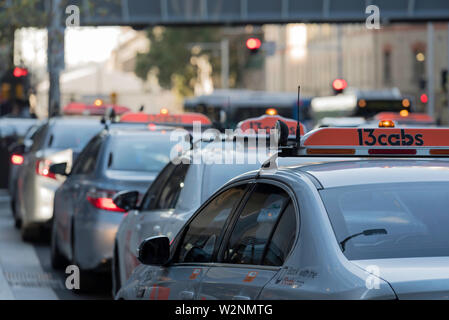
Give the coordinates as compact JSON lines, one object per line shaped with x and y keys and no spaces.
{"x":254,"y":226}
{"x":39,"y":138}
{"x":390,"y":220}
{"x":90,"y":161}
{"x":203,"y":232}
{"x":83,"y":163}
{"x":169,"y":193}
{"x":72,"y":136}
{"x":149,"y":201}
{"x":282,"y":239}
{"x":143,"y":152}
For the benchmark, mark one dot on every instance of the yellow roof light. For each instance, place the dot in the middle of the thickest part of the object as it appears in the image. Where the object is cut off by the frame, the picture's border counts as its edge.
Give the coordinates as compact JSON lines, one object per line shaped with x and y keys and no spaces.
{"x":98,"y":102}
{"x":386,"y":124}
{"x":404,"y":113}
{"x":164,"y":111}
{"x":271,"y":112}
{"x":406,"y":103}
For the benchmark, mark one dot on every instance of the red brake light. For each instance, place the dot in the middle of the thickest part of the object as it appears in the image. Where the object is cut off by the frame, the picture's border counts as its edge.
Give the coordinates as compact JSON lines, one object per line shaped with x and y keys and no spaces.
{"x":20,"y":72}
{"x":17,"y":159}
{"x":102,"y":199}
{"x":43,"y":169}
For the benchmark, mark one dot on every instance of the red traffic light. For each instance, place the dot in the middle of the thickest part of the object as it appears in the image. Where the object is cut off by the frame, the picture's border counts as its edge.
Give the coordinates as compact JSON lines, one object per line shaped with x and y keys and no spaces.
{"x":253,"y":43}
{"x":20,"y":72}
{"x":339,"y":84}
{"x":424,"y":98}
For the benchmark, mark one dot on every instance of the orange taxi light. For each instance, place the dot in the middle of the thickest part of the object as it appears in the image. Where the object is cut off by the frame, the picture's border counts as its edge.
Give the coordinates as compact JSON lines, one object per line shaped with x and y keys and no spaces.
{"x":164,"y":111}
{"x":404,"y":113}
{"x":406,"y":103}
{"x":362,"y":103}
{"x":330,"y":151}
{"x":271,"y":112}
{"x":386,"y":124}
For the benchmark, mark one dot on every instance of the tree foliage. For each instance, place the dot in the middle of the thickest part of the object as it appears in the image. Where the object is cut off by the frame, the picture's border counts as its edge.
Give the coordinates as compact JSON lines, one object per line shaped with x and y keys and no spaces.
{"x":15,"y":14}
{"x":171,"y":52}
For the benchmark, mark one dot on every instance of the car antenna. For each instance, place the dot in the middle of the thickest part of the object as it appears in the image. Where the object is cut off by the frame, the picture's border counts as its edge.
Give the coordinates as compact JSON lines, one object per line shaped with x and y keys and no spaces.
{"x":298,"y":127}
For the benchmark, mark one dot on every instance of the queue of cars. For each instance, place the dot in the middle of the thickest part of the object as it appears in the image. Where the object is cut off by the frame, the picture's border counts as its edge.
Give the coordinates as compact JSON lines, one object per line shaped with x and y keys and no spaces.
{"x":335,"y":213}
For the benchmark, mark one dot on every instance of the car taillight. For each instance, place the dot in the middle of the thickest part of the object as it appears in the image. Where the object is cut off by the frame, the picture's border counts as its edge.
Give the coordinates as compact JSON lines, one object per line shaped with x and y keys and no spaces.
{"x":102,"y":199}
{"x":43,"y":168}
{"x":17,"y":159}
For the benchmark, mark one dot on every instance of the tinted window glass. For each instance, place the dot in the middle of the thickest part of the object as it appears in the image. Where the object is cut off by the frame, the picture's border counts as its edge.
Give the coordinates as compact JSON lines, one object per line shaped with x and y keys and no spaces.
{"x":396,"y":220}
{"x":169,"y":193}
{"x":39,"y":138}
{"x":89,"y":161}
{"x":282,"y":239}
{"x":254,"y":226}
{"x":149,"y":201}
{"x":149,"y":153}
{"x":72,"y":136}
{"x":204,"y":231}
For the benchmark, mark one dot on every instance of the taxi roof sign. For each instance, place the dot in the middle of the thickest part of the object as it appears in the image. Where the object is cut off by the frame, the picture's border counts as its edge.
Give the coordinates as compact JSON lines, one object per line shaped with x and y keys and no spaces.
{"x":379,"y":137}
{"x":166,"y":118}
{"x":376,"y":141}
{"x":268,"y":122}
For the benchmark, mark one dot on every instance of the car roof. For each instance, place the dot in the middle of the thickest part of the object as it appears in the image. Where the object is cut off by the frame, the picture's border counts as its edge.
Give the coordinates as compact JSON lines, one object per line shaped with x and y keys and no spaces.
{"x":340,"y":172}
{"x":74,"y":120}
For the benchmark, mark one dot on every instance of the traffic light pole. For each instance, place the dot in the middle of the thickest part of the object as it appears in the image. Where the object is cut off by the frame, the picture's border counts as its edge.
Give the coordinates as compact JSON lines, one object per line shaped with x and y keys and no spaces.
{"x":55,"y":57}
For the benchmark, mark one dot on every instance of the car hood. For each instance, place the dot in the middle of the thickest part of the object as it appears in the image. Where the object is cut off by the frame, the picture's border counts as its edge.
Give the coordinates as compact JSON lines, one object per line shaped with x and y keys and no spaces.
{"x":413,"y":278}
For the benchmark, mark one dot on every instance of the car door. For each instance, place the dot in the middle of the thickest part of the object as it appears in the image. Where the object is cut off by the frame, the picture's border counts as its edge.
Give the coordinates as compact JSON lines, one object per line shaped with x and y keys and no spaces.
{"x":157,"y":213}
{"x":247,"y":261}
{"x":70,"y":192}
{"x":194,"y":248}
{"x":27,"y":173}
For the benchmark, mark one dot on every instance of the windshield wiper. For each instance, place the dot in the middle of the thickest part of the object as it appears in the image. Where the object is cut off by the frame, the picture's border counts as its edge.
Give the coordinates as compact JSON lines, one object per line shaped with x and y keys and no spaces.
{"x":368,"y":232}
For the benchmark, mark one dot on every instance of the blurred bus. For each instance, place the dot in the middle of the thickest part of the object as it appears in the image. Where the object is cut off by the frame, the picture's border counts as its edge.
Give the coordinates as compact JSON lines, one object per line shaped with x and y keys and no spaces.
{"x":226,"y":108}
{"x":360,"y":103}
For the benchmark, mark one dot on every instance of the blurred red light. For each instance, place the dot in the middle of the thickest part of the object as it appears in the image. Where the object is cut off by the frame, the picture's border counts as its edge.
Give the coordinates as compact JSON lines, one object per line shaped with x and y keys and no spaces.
{"x":424,"y":98}
{"x":253,"y":43}
{"x":339,"y":84}
{"x":20,"y":72}
{"x":17,"y":159}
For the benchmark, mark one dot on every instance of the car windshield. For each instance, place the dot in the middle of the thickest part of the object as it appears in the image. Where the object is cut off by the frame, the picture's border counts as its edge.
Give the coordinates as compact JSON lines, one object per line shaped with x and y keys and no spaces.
{"x":398,"y":220}
{"x":75,"y":138}
{"x":148,"y":153}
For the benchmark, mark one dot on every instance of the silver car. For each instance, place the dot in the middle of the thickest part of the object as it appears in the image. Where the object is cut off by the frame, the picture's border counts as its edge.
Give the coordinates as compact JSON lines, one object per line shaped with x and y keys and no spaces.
{"x":311,"y":228}
{"x":174,"y":196}
{"x":59,"y":140}
{"x":85,"y":218}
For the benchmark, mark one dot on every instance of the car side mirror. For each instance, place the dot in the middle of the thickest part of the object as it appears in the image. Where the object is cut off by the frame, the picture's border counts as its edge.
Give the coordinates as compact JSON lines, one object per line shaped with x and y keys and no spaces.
{"x":59,"y":168}
{"x":154,"y":251}
{"x":126,"y":200}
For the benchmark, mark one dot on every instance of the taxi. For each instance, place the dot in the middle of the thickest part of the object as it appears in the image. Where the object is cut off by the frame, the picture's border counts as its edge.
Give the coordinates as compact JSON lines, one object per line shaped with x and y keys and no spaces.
{"x":341,"y":213}
{"x":180,"y":188}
